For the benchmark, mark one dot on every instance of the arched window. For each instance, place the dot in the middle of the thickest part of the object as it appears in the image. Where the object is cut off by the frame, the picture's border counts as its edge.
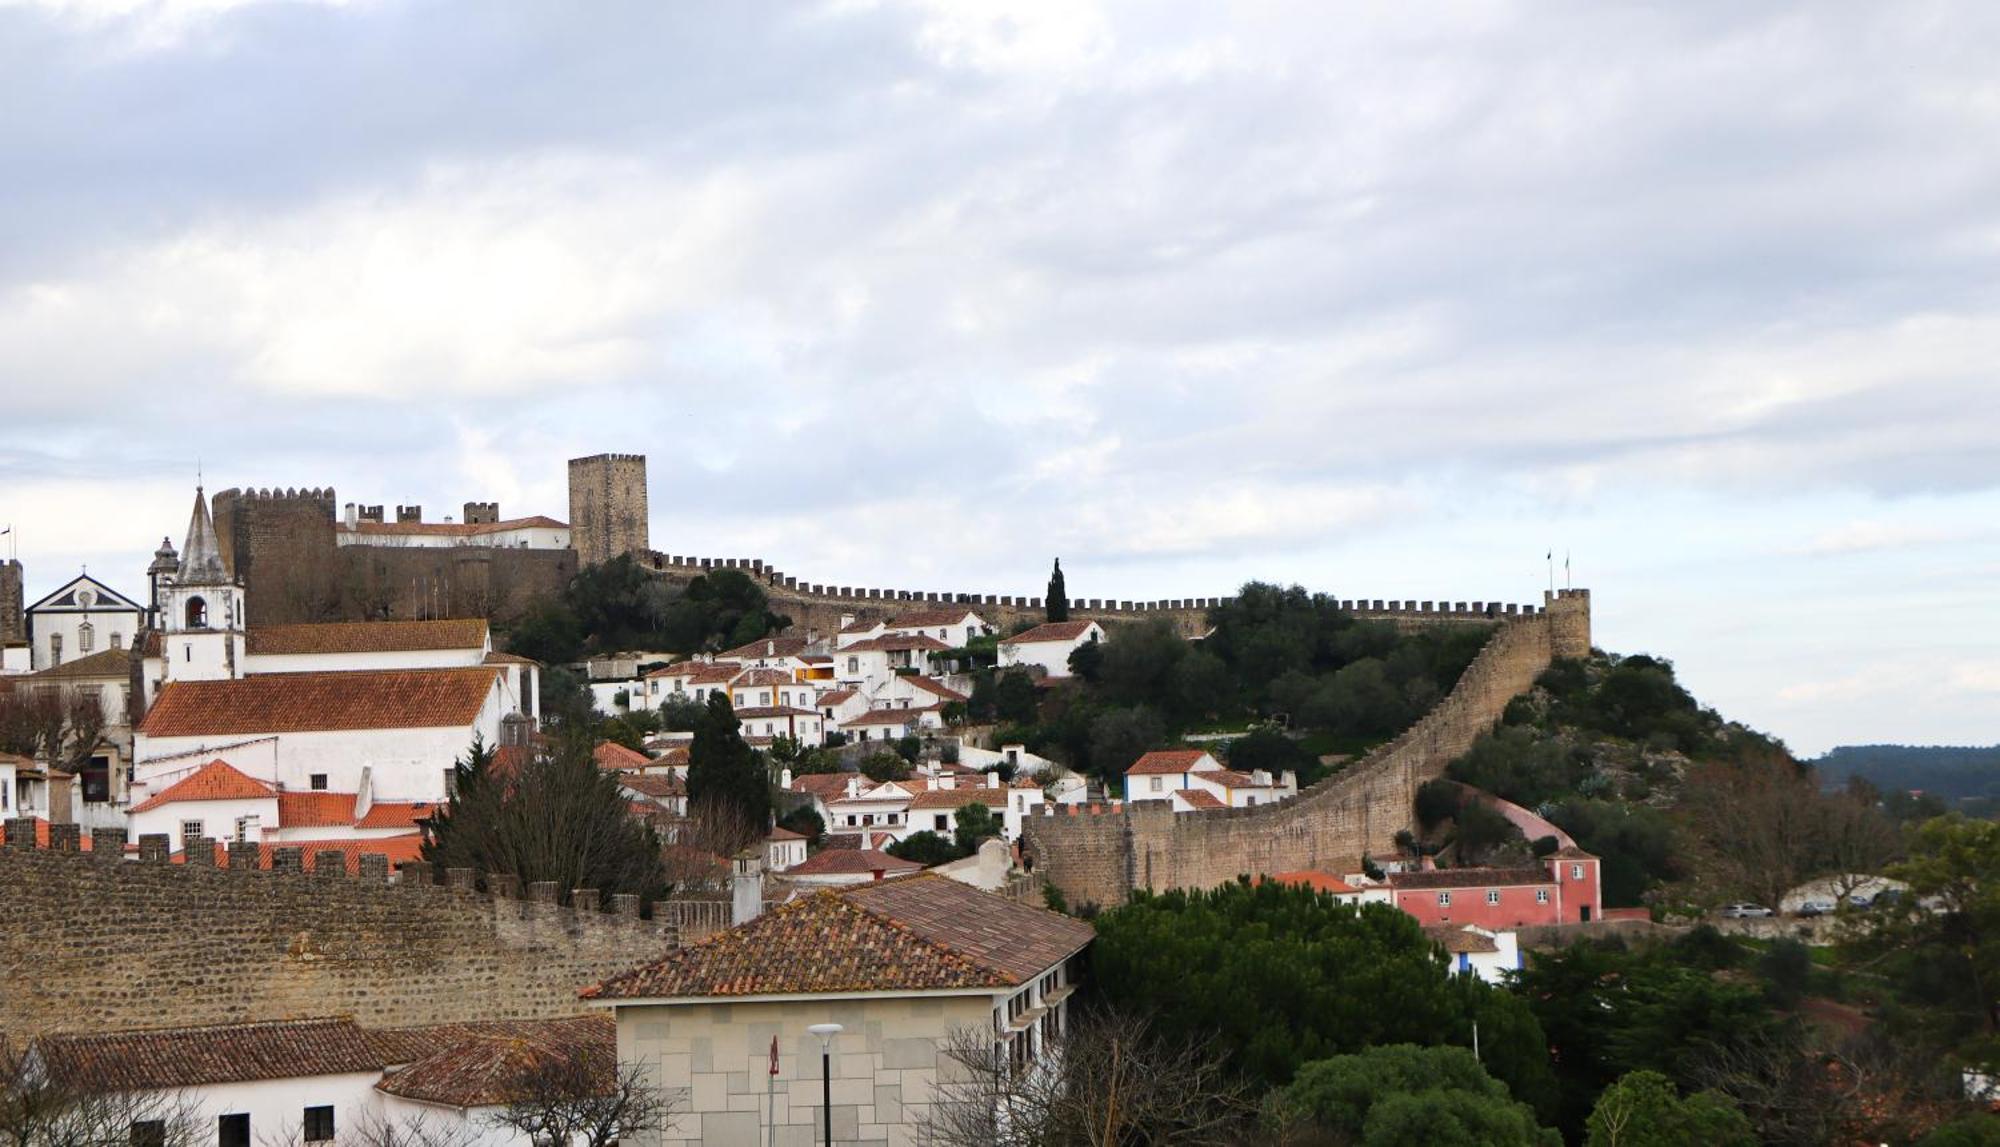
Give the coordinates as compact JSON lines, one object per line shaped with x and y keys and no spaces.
{"x":86,"y":637}
{"x":197,"y":613}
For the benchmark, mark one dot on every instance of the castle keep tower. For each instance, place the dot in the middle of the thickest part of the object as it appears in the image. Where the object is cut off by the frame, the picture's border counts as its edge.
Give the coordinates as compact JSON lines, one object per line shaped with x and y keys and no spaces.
{"x":13,"y":624}
{"x":607,"y":506}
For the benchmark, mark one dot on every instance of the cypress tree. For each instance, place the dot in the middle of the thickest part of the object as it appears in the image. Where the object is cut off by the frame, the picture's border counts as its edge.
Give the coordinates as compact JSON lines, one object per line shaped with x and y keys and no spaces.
{"x":726,"y":780}
{"x":1058,"y":595}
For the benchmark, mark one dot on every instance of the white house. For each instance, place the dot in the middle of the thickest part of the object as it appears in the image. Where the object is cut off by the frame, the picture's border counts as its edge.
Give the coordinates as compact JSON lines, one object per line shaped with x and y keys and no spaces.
{"x":869,"y":664}
{"x":1193,"y":780}
{"x":891,"y":724}
{"x":689,"y":681}
{"x":83,"y":617}
{"x":865,"y":804}
{"x":482,"y":527}
{"x":763,"y":688}
{"x":783,"y":848}
{"x":805,"y":726}
{"x":1475,"y":951}
{"x":936,"y":808}
{"x":952,"y":627}
{"x":1049,"y":645}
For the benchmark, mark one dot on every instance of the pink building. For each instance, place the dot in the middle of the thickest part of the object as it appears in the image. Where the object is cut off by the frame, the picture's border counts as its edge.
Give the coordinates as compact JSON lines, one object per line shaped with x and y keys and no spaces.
{"x":1564,"y":890}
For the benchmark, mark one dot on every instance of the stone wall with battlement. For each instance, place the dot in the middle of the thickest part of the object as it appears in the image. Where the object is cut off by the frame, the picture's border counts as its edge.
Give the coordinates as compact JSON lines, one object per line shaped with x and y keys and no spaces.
{"x":1102,"y":857}
{"x":96,"y":942}
{"x":819,"y":605}
{"x":13,"y":621}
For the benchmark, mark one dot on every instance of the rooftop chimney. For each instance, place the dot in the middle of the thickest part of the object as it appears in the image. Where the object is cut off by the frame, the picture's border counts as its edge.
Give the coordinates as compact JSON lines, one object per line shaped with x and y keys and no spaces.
{"x":747,"y":885}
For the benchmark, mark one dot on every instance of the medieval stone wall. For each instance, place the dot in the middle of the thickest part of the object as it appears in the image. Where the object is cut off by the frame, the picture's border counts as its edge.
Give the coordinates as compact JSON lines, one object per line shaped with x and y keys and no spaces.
{"x":13,"y":621}
{"x":607,"y":506}
{"x":1103,"y":857}
{"x":93,"y":942}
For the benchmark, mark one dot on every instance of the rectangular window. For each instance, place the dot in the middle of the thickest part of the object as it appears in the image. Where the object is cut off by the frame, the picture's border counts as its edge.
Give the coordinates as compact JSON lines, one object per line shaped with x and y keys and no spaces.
{"x":117,"y":640}
{"x":190,"y":829}
{"x":55,"y":649}
{"x":233,"y":1130}
{"x":1576,"y":872}
{"x":943,"y":822}
{"x":854,"y":665}
{"x":149,"y":1133}
{"x":1444,"y":900}
{"x":450,"y":783}
{"x":1159,"y":783}
{"x":1541,"y":896}
{"x":1493,"y":896}
{"x":247,"y":828}
{"x":318,"y":782}
{"x":319,"y":1124}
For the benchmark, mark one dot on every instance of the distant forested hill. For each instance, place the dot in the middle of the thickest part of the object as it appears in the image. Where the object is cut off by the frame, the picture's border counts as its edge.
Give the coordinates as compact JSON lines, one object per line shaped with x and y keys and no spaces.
{"x":1944,"y":771}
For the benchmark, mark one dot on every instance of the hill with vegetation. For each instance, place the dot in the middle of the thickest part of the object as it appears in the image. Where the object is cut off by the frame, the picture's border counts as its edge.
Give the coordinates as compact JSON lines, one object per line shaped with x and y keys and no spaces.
{"x":1953,"y":775}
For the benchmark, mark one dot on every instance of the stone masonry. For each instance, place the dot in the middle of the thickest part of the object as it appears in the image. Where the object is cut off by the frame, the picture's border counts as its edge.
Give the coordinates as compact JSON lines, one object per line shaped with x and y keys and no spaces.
{"x":97,"y":943}
{"x":13,"y":622}
{"x":1102,"y":858}
{"x":607,"y":506}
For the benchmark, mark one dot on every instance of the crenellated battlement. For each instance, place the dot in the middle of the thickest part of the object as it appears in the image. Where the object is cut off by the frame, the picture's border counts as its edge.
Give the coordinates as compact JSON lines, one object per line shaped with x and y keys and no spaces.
{"x":318,"y":496}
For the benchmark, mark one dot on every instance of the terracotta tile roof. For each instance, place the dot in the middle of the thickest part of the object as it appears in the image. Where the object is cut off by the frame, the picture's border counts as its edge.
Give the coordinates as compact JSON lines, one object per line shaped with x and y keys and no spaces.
{"x":1572,"y":852}
{"x":888,"y":716}
{"x":852,"y":862}
{"x":923,"y":933}
{"x":678,"y":755}
{"x":834,"y":697}
{"x":931,"y":618}
{"x":861,"y":626}
{"x":308,"y":702}
{"x":194,"y":1057}
{"x":1468,"y":878}
{"x":396,"y":814}
{"x":656,"y":785}
{"x":783,"y":834}
{"x":1200,"y":798}
{"x":959,"y":798}
{"x":753,"y":678}
{"x":315,"y":809}
{"x":1317,"y":881}
{"x":612,"y":756}
{"x":453,"y":529}
{"x":399,"y":850}
{"x":486,"y":1064}
{"x":936,"y":688}
{"x":1231,"y":779}
{"x":701,"y":672}
{"x":1462,"y":940}
{"x":105,"y":663}
{"x":498,"y":658}
{"x":766,"y":647}
{"x":893,"y":643}
{"x":1051,"y":631}
{"x":1166,"y":761}
{"x":755,"y":711}
{"x":826,"y":786}
{"x":215,"y":781}
{"x":367,"y":636}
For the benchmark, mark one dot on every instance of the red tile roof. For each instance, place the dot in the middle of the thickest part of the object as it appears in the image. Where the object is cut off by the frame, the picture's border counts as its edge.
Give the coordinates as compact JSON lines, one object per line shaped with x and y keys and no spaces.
{"x":106,"y":663}
{"x":1468,"y":878}
{"x":455,"y":529}
{"x":752,"y":678}
{"x":495,"y":1063}
{"x":959,"y":798}
{"x":888,"y":716}
{"x":936,"y":688}
{"x":766,"y":647}
{"x":315,"y":809}
{"x":198,"y":1056}
{"x":655,"y":785}
{"x":892,"y":643}
{"x":310,"y":702}
{"x":1051,"y":631}
{"x":1166,"y":761}
{"x":1231,"y":779}
{"x":931,"y":618}
{"x":783,"y":834}
{"x":399,"y":850}
{"x":827,"y":786}
{"x":700,"y":672}
{"x":852,"y":861}
{"x":834,"y":697}
{"x":612,"y":756}
{"x":217,"y":780}
{"x":922,"y":933}
{"x":1462,"y":940}
{"x":367,"y":636}
{"x":1317,"y":881}
{"x":396,"y":814}
{"x":1200,"y":798}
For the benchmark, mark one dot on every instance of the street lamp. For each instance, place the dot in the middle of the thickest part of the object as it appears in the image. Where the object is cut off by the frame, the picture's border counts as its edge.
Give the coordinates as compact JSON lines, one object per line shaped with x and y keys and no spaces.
{"x":826,"y":1032}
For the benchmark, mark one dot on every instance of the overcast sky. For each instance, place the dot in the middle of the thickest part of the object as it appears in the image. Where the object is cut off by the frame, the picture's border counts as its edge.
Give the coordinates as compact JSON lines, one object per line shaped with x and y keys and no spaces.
{"x":1388,"y":300}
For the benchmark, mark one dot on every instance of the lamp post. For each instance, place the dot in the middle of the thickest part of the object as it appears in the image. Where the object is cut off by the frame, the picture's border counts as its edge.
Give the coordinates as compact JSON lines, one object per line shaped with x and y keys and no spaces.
{"x":826,"y":1032}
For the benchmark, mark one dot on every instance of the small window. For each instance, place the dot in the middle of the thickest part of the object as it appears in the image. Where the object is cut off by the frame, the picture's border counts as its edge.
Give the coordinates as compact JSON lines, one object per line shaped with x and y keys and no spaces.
{"x":450,"y":783}
{"x":233,"y":1130}
{"x":943,"y":822}
{"x":854,"y":665}
{"x":187,"y":652}
{"x":319,"y":1124}
{"x":117,"y":640}
{"x":1493,"y":896}
{"x":246,"y":830}
{"x":1541,"y":896}
{"x":86,"y":637}
{"x":1444,"y":900}
{"x":190,"y":829}
{"x":764,"y":698}
{"x":1159,"y":784}
{"x":318,"y":782}
{"x":149,"y":1133}
{"x":55,"y":649}
{"x":1576,"y":872}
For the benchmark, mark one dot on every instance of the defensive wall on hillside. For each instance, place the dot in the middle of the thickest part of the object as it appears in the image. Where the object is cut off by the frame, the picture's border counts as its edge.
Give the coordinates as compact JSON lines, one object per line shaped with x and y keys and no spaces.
{"x":281,"y":543}
{"x":96,"y":942}
{"x":1102,"y":857}
{"x":819,"y":606}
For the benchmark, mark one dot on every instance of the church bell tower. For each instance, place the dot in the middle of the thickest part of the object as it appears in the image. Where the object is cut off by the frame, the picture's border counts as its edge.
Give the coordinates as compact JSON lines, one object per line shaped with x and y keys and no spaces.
{"x":202,"y":608}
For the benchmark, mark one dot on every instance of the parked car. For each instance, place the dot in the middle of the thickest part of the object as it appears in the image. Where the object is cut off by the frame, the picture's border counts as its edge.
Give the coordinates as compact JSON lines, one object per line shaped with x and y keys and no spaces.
{"x":1817,"y":908}
{"x":1744,"y":911}
{"x":1861,"y":899}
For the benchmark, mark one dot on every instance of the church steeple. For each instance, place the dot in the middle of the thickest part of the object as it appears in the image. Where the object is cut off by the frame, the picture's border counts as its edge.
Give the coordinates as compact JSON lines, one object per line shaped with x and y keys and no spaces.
{"x":201,"y":556}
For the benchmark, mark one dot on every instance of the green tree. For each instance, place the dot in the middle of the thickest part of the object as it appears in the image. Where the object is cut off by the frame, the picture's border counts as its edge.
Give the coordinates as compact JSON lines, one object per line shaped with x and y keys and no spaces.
{"x":807,"y":823}
{"x":560,"y":818}
{"x":1944,"y":965}
{"x":882,"y":767}
{"x":1266,"y":748}
{"x":1643,"y":1110}
{"x":1402,"y":1094}
{"x":727,"y":782}
{"x":926,"y":848}
{"x":1057,"y":601}
{"x":1014,"y":697}
{"x":975,"y":822}
{"x":1119,"y":737}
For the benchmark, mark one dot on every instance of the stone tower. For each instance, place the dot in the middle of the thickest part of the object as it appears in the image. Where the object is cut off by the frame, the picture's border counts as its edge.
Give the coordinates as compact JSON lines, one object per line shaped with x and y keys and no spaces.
{"x":607,"y":506}
{"x":13,"y":624}
{"x":1569,"y":622}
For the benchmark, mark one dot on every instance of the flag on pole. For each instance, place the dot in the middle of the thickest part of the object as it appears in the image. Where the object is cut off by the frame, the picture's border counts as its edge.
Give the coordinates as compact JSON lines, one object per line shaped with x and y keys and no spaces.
{"x":774,"y":1056}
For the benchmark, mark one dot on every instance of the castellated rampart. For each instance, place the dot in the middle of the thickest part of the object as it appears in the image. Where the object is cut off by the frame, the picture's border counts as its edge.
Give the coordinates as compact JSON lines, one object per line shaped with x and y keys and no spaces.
{"x":13,"y":619}
{"x":1102,"y":857}
{"x":96,"y":942}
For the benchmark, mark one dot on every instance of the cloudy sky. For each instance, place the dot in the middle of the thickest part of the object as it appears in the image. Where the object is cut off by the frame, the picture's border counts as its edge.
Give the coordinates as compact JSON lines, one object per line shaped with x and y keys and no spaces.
{"x":1388,"y":300}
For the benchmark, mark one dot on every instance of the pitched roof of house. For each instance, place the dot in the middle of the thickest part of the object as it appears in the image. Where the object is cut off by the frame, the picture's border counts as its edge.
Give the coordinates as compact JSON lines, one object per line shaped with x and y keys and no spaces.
{"x":924,"y":933}
{"x":783,"y":834}
{"x":104,"y":663}
{"x":1166,"y":761}
{"x":766,"y":647}
{"x":755,"y":677}
{"x":936,"y":688}
{"x":315,"y":809}
{"x":888,"y":716}
{"x":833,"y":697}
{"x":308,"y":702}
{"x":1462,"y":940}
{"x":493,"y":1063}
{"x":1200,"y":798}
{"x":612,"y":756}
{"x":396,"y":814}
{"x":367,"y":636}
{"x":195,"y":1056}
{"x":959,"y":798}
{"x":892,"y":643}
{"x":498,"y":658}
{"x":852,"y":862}
{"x":861,"y":625}
{"x":655,"y":785}
{"x":1231,"y":779}
{"x":218,"y":780}
{"x":773,"y":711}
{"x":701,"y":672}
{"x":1468,"y":878}
{"x":1051,"y":631}
{"x":1317,"y":881}
{"x":932,"y":618}
{"x":826,"y":786}
{"x":455,"y":529}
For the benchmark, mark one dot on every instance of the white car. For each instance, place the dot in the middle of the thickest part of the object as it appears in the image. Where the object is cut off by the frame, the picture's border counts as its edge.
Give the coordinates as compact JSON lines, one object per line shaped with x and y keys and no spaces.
{"x":1743,"y":911}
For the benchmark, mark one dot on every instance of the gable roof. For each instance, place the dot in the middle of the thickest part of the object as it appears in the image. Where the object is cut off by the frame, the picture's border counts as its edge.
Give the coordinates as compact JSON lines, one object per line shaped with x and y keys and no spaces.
{"x":315,"y":809}
{"x":1199,"y":798}
{"x":217,"y":780}
{"x":1469,"y":878}
{"x":897,"y":642}
{"x":935,"y":688}
{"x":367,"y":636}
{"x":931,"y":618}
{"x":396,"y":814}
{"x":923,"y":933}
{"x":103,"y":663}
{"x":655,"y":785}
{"x":612,"y":756}
{"x":63,"y":599}
{"x":833,"y":697}
{"x":755,"y":677}
{"x":766,"y":647}
{"x":700,"y":672}
{"x":1166,"y":761}
{"x":1051,"y":631}
{"x":311,"y":702}
{"x":959,"y":798}
{"x":826,"y":786}
{"x":888,"y":716}
{"x":486,"y":1064}
{"x":852,"y":862}
{"x":195,"y":1056}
